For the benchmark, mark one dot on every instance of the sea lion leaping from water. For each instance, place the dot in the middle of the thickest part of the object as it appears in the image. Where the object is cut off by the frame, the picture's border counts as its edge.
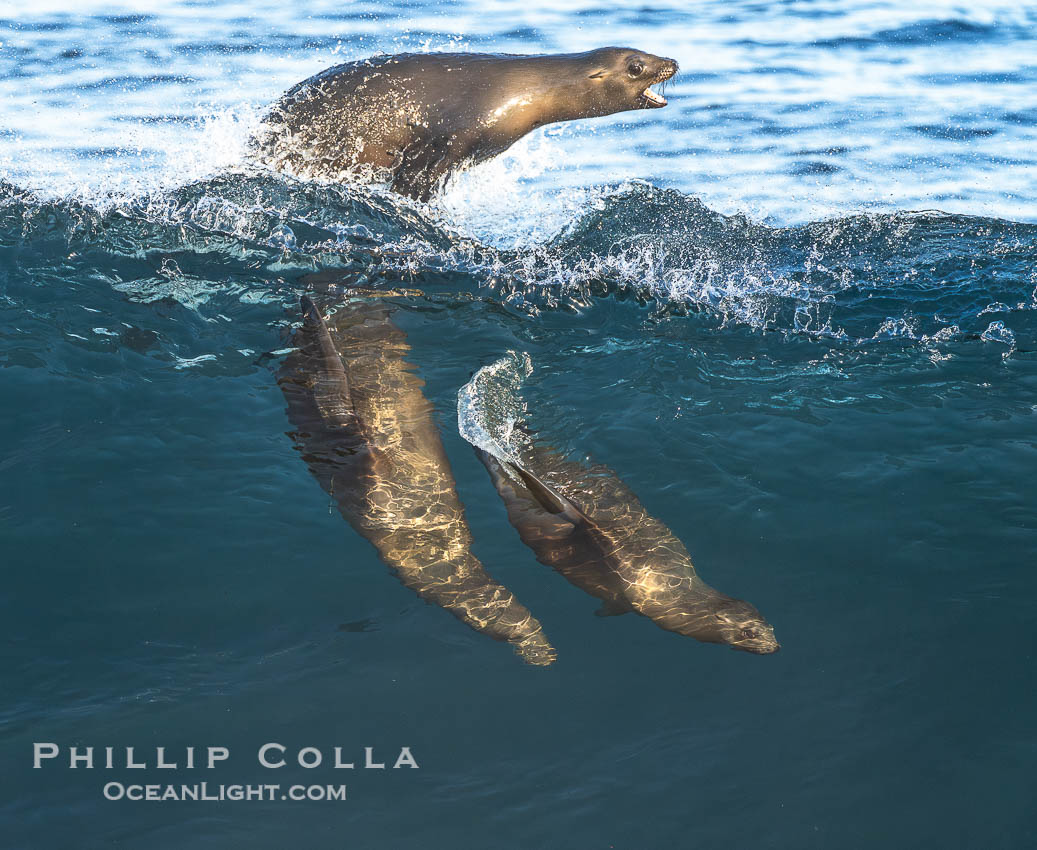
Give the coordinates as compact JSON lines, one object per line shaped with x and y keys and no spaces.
{"x":416,"y":117}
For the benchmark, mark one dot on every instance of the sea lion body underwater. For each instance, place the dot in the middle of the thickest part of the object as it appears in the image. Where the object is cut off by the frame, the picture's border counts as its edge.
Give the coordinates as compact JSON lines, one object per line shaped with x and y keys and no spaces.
{"x":585,"y":523}
{"x":610,"y":547}
{"x":414,"y":118}
{"x":365,"y":430}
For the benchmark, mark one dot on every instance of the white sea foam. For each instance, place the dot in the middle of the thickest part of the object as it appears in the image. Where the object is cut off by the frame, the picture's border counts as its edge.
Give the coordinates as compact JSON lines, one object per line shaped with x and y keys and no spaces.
{"x":151,"y":158}
{"x":490,"y":405}
{"x":520,"y":198}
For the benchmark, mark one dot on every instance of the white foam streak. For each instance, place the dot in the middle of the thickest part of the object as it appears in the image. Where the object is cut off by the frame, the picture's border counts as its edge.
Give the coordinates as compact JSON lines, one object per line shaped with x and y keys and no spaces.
{"x":489,"y":406}
{"x":151,"y":159}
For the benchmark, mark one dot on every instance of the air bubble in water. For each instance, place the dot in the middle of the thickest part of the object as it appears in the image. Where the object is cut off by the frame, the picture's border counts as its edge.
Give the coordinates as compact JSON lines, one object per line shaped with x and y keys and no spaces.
{"x":997,"y":332}
{"x":282,"y":237}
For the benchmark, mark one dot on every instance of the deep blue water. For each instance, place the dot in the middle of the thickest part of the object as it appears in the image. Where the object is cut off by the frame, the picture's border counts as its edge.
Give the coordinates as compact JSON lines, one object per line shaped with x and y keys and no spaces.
{"x":795,"y":311}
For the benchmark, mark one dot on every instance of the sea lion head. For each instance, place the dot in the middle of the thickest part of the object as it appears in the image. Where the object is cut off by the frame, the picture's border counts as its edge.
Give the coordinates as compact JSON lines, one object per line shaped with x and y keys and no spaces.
{"x":741,"y":626}
{"x":621,"y":78}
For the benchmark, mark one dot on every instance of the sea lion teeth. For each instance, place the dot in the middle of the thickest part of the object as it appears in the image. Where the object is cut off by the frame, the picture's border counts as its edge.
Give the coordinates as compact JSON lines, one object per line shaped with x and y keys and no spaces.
{"x":654,"y":97}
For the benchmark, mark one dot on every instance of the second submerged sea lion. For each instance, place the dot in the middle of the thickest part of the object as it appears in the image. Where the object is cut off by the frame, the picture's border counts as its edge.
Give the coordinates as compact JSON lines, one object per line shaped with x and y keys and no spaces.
{"x":588,"y":525}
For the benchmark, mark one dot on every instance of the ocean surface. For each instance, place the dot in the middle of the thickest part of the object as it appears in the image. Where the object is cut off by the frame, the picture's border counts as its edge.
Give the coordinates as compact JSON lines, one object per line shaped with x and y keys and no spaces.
{"x":795,"y":312}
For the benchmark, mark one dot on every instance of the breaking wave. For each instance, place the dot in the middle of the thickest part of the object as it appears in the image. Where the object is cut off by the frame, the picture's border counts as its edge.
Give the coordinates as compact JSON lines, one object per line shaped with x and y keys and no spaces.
{"x":250,"y":241}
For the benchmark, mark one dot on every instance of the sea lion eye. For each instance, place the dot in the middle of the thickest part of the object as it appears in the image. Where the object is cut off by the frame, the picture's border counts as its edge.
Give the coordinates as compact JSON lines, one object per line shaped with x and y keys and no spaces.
{"x":636,"y":68}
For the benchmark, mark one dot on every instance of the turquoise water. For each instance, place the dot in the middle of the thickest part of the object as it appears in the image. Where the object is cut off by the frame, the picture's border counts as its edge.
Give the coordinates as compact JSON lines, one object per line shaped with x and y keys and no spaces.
{"x":795,"y":311}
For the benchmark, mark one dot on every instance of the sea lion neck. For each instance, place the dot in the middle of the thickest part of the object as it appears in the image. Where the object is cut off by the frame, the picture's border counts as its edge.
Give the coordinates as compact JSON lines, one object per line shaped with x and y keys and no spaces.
{"x":534,"y":91}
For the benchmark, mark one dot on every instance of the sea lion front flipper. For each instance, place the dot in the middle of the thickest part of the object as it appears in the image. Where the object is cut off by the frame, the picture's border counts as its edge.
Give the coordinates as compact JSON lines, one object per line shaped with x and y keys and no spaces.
{"x":611,"y":609}
{"x":550,"y":498}
{"x":316,"y":388}
{"x":330,"y":380}
{"x":555,"y":540}
{"x":423,"y":164}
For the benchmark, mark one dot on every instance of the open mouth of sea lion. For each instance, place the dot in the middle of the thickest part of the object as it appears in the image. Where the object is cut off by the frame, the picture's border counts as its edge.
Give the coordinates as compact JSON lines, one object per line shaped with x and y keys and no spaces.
{"x":655,"y":99}
{"x":761,"y":649}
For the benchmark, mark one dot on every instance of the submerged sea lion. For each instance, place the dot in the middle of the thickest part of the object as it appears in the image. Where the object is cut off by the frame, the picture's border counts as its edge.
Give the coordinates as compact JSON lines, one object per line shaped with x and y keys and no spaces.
{"x":588,"y":525}
{"x":416,"y":117}
{"x":608,"y":545}
{"x":366,"y":432}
